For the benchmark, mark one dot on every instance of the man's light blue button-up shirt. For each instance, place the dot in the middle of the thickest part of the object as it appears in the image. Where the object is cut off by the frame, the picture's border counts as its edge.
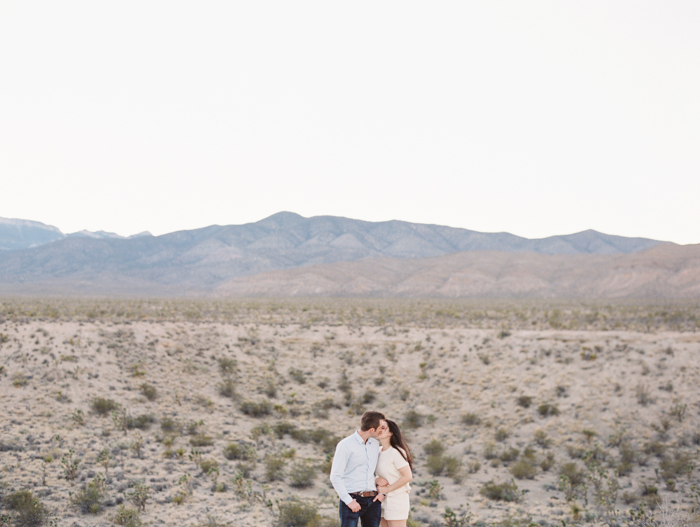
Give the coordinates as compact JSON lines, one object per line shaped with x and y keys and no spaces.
{"x":353,"y":466}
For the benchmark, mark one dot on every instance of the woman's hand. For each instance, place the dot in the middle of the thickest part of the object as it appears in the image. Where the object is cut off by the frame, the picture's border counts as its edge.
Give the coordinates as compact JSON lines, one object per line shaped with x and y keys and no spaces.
{"x":380,"y":481}
{"x":384,"y":489}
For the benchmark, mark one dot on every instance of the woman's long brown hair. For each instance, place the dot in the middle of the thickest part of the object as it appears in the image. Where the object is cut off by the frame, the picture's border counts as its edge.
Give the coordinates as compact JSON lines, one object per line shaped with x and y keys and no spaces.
{"x":397,"y":441}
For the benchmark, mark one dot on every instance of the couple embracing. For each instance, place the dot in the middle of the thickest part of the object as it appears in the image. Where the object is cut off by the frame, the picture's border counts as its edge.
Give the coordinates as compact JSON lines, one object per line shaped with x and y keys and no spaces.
{"x":371,"y":472}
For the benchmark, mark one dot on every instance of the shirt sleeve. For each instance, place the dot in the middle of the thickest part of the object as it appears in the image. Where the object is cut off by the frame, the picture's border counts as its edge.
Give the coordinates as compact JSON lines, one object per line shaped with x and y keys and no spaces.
{"x":399,"y":461}
{"x":340,"y":461}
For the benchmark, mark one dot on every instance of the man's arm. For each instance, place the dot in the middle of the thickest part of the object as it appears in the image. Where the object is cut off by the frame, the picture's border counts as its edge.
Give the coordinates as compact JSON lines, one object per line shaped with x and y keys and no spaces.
{"x":340,"y":461}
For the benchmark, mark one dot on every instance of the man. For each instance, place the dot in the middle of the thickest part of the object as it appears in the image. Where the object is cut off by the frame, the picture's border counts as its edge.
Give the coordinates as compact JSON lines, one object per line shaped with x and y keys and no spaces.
{"x":352,"y":474}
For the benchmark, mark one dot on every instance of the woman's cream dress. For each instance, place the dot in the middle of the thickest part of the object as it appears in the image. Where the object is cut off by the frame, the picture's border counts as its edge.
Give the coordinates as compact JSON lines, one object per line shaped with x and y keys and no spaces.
{"x":396,"y":504}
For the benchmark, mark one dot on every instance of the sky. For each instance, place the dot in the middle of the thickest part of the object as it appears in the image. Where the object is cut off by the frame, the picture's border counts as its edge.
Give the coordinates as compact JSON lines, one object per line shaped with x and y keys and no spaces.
{"x":535,"y":118}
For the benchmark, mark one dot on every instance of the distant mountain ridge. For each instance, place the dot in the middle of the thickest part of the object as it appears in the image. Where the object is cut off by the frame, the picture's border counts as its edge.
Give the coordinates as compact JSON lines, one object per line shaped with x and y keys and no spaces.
{"x":18,"y":234}
{"x":201,"y":260}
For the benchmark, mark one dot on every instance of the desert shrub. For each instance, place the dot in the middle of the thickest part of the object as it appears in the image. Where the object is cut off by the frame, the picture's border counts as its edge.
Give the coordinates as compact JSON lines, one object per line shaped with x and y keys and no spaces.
{"x":239,"y":451}
{"x":88,"y":500}
{"x":509,"y":454}
{"x":435,"y":464}
{"x":656,"y":448}
{"x":19,"y":379}
{"x":282,"y":428}
{"x":547,"y":462}
{"x":256,"y":409}
{"x":501,"y":434}
{"x":434,"y":448}
{"x":302,"y":474}
{"x":325,"y":439}
{"x":139,"y":495}
{"x":412,"y":420}
{"x":679,"y":464}
{"x":628,"y":456}
{"x":506,"y":491}
{"x":127,"y":517}
{"x":28,"y":510}
{"x":207,"y":464}
{"x":227,"y":388}
{"x":471,"y":419}
{"x":168,"y":424}
{"x":104,"y":406}
{"x":575,"y":476}
{"x":525,"y":401}
{"x":525,"y":468}
{"x":473,"y":466}
{"x":643,"y":394}
{"x":298,"y":375}
{"x":274,"y":467}
{"x":149,"y":391}
{"x":142,"y":422}
{"x":320,"y":409}
{"x":453,"y":468}
{"x":227,"y":366}
{"x":490,"y":451}
{"x":541,"y":439}
{"x":546,"y":409}
{"x":295,"y":513}
{"x":201,"y":440}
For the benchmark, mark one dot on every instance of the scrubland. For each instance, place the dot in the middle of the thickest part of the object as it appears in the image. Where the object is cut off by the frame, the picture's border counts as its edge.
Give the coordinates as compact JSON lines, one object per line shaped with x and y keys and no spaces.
{"x":205,"y":413}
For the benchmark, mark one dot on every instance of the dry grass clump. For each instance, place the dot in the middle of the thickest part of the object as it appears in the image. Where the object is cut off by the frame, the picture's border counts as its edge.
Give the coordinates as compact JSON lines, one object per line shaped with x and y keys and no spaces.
{"x":104,"y":406}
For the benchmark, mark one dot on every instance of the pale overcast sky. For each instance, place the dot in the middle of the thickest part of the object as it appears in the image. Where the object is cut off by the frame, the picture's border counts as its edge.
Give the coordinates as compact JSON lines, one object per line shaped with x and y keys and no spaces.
{"x":531,"y":117}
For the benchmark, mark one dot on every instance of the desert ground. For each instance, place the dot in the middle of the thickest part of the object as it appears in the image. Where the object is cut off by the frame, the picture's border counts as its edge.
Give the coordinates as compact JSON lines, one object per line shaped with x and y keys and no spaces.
{"x":202,"y":413}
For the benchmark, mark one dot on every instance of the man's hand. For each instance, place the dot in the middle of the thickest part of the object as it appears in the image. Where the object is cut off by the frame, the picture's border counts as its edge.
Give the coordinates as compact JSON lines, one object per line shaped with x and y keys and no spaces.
{"x":380,"y":482}
{"x":379,"y":497}
{"x":354,"y":506}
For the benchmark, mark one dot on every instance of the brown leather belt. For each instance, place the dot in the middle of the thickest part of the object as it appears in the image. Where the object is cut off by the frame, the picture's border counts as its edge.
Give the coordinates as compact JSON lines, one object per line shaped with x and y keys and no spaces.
{"x":367,"y":494}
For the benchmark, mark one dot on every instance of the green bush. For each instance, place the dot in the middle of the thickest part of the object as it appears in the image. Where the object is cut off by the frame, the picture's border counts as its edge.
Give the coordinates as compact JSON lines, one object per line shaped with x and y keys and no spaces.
{"x":524,"y":469}
{"x":575,"y":476}
{"x":471,"y":419}
{"x":149,"y":391}
{"x":509,"y":455}
{"x":274,"y":467}
{"x":88,"y":500}
{"x":434,"y":448}
{"x":227,"y":366}
{"x":258,"y":409}
{"x":525,"y":401}
{"x":207,"y":464}
{"x":227,"y":388}
{"x":127,"y":517}
{"x":297,"y":375}
{"x":239,"y":451}
{"x":412,"y":420}
{"x":302,"y":474}
{"x":29,"y":511}
{"x":506,"y":491}
{"x":546,"y":410}
{"x":501,"y":435}
{"x":142,"y":422}
{"x":295,"y":513}
{"x":168,"y":424}
{"x":201,"y":440}
{"x":453,"y":467}
{"x":104,"y":406}
{"x":435,"y":464}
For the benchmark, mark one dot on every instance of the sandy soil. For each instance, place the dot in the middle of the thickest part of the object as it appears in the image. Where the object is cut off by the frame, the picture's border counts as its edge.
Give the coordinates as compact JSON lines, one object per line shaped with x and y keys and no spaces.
{"x":428,"y":377}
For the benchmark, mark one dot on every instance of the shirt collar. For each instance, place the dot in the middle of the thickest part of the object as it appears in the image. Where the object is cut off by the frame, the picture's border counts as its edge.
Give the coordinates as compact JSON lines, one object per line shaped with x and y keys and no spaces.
{"x":359,"y":439}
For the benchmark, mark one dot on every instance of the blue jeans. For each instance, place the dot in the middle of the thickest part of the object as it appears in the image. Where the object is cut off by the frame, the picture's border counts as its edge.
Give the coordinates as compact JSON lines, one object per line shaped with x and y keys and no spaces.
{"x":370,"y":513}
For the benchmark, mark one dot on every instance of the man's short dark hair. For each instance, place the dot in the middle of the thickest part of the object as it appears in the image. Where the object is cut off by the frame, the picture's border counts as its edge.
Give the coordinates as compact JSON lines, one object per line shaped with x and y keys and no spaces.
{"x":371,"y":420}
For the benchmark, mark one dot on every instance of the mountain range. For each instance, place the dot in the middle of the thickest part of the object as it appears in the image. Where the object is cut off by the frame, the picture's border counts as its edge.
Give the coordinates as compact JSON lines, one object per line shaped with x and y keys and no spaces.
{"x":287,"y":254}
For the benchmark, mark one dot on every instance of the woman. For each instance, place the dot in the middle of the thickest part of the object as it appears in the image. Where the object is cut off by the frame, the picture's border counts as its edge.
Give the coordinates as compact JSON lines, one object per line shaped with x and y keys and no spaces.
{"x":393,"y":474}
